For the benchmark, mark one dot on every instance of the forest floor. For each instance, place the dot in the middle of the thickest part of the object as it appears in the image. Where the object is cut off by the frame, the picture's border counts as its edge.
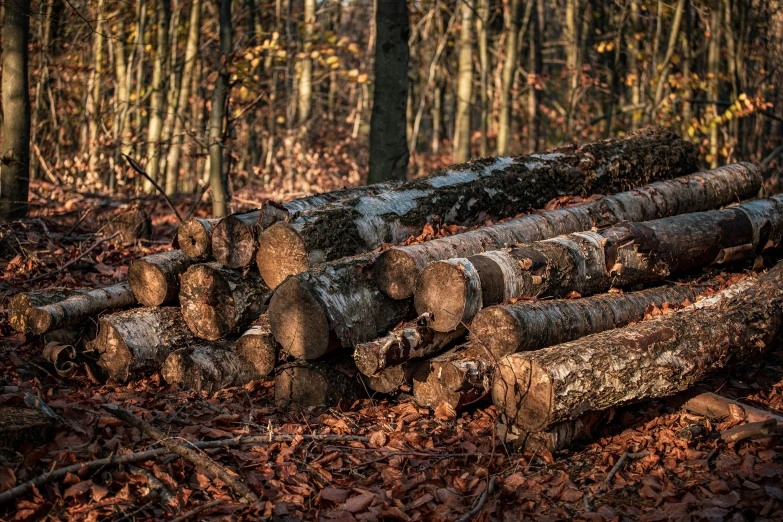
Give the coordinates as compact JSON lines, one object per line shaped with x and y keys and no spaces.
{"x":409,"y":463}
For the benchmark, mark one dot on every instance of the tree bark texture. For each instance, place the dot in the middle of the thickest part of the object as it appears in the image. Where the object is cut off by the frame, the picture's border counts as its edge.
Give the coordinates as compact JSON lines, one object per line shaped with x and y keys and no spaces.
{"x":78,"y":308}
{"x":217,"y":115}
{"x":388,"y":140}
{"x":464,"y":83}
{"x":398,"y":268}
{"x":656,"y":358}
{"x":155,"y":279}
{"x":159,"y":92}
{"x":316,"y":383}
{"x":135,"y":342}
{"x":217,"y":301}
{"x":235,"y":239}
{"x":207,"y":367}
{"x":194,"y":237}
{"x":394,"y":379}
{"x":509,"y":70}
{"x":715,"y":406}
{"x":23,"y":303}
{"x":590,"y":262}
{"x":469,"y":194}
{"x":332,"y":306}
{"x":556,"y":438}
{"x":258,"y":349}
{"x":411,"y":341}
{"x":459,"y":377}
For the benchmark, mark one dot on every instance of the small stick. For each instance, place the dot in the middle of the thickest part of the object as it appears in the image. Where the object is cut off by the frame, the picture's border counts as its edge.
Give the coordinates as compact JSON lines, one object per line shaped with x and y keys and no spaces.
{"x":73,"y":261}
{"x":625,"y":456}
{"x":135,"y":166}
{"x":199,"y":460}
{"x":196,"y":510}
{"x":482,"y":502}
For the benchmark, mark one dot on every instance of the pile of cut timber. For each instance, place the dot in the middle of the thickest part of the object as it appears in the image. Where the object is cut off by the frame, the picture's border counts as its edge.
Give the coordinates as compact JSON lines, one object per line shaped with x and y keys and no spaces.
{"x":315,"y":291}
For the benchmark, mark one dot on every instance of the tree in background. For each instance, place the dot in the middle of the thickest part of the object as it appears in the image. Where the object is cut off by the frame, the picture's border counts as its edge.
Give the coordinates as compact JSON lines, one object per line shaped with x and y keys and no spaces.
{"x":217,"y":178}
{"x":388,"y":144}
{"x":15,"y":159}
{"x":464,"y":84}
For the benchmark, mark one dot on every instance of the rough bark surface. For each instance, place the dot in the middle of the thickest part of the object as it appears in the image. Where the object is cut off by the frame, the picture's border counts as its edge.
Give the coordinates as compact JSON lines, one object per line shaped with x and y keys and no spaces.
{"x":316,"y":383}
{"x":207,"y":367}
{"x":717,"y":407}
{"x":459,"y":377}
{"x":334,"y":305}
{"x":590,"y":262}
{"x":155,"y":279}
{"x":258,"y":349}
{"x":526,"y":325}
{"x":21,"y":427}
{"x":469,"y":194}
{"x":78,"y":308}
{"x":397,"y":268}
{"x":21,"y":304}
{"x":656,"y":358}
{"x":556,"y":438}
{"x":136,"y":342}
{"x":394,"y":379}
{"x":217,"y":301}
{"x":194,"y":237}
{"x":411,"y":341}
{"x":235,"y":239}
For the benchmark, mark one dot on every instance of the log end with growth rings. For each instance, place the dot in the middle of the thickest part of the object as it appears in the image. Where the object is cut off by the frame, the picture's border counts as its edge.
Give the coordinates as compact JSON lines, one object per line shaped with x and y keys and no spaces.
{"x":281,"y":253}
{"x":366,"y":358}
{"x":524,"y":392}
{"x":442,"y":289}
{"x":258,"y":348}
{"x":396,"y":271}
{"x":298,"y":321}
{"x":496,"y":329}
{"x":39,"y":321}
{"x":207,"y":302}
{"x":149,"y":283}
{"x":390,"y":380}
{"x":195,"y":238}
{"x":234,"y":242}
{"x":437,"y":382}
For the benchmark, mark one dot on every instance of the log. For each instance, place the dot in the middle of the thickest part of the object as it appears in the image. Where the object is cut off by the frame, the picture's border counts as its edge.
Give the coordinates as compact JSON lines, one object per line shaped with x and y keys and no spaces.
{"x":459,"y":378}
{"x":590,"y":262}
{"x":132,"y":225}
{"x":154,"y":279}
{"x":134,"y":343}
{"x":469,"y":194}
{"x":207,"y":367}
{"x":715,"y":406}
{"x":410,"y":341}
{"x":558,"y":437}
{"x":76,"y":309}
{"x":235,"y":239}
{"x":393,"y":379}
{"x":21,"y":427}
{"x":258,"y":349}
{"x":331,"y":306}
{"x":656,"y":358}
{"x":217,"y":301}
{"x":22,"y":303}
{"x":397,"y":268}
{"x":316,"y":383}
{"x":194,"y":237}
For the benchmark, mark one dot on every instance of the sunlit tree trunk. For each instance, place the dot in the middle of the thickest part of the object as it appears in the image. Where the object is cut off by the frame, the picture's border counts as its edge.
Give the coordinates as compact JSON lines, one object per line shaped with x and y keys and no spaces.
{"x":663,"y":76}
{"x":509,"y":71}
{"x":464,"y":84}
{"x":572,"y":57}
{"x":534,"y":72}
{"x":217,"y":179}
{"x":306,"y":79}
{"x":633,"y":66}
{"x":158,"y":96}
{"x":172,"y":92}
{"x":141,"y":27}
{"x":483,"y":50}
{"x":713,"y":64}
{"x":94,"y":96}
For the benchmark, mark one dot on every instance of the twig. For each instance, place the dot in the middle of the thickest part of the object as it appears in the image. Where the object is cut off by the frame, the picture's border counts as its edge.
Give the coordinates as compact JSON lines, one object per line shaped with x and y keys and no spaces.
{"x":625,"y":456}
{"x":196,"y":510}
{"x":73,"y":261}
{"x":157,"y":486}
{"x":78,"y":222}
{"x":135,"y":166}
{"x":198,"y":201}
{"x":45,"y":167}
{"x":201,"y":461}
{"x":482,"y":502}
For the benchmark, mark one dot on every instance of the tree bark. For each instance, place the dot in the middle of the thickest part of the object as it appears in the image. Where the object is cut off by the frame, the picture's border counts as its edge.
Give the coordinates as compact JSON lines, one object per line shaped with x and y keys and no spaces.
{"x":332,"y":306}
{"x":235,"y":239}
{"x":411,"y":341}
{"x":217,"y":301}
{"x":509,"y":71}
{"x":464,"y":84}
{"x":217,"y":178}
{"x":159,"y":89}
{"x":656,"y":358}
{"x":482,"y":19}
{"x":306,"y":79}
{"x":557,"y":438}
{"x":207,"y":367}
{"x":468,"y":194}
{"x":155,"y":279}
{"x":717,"y":407}
{"x":590,"y":262}
{"x":536,"y":71}
{"x":15,"y":159}
{"x":258,"y":349}
{"x":388,"y":142}
{"x":394,"y":379}
{"x":398,"y":268}
{"x":316,"y":383}
{"x":134,"y":343}
{"x":78,"y":308}
{"x":194,"y":237}
{"x":23,"y":303}
{"x":459,"y":377}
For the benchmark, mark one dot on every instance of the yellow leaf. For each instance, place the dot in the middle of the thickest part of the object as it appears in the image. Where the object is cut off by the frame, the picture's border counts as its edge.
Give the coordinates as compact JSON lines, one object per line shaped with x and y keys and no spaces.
{"x":280,"y":120}
{"x":332,"y":59}
{"x":314,"y":55}
{"x":353,"y":73}
{"x":362,"y":78}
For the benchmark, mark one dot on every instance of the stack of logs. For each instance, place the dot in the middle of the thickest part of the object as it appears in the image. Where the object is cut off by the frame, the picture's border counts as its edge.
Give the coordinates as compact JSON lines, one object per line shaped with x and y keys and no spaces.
{"x":329,"y":293}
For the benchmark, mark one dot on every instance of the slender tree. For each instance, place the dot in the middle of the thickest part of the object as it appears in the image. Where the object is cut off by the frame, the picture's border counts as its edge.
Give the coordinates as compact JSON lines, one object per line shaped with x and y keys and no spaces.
{"x":217,"y":178}
{"x":306,"y":78}
{"x":464,"y":84}
{"x":509,"y":71}
{"x":388,"y":145}
{"x":159,"y":86}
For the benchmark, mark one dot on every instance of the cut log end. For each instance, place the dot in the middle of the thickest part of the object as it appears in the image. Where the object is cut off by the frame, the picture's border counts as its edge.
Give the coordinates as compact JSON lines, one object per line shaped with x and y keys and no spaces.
{"x":39,"y":321}
{"x":258,"y":348}
{"x":314,"y":383}
{"x":148,"y":282}
{"x":207,"y":302}
{"x":393,"y":379}
{"x":396,"y":271}
{"x":281,"y":252}
{"x":298,"y":321}
{"x":442,"y":290}
{"x":195,"y":238}
{"x":497,"y":329}
{"x":367,"y":360}
{"x":234,"y":242}
{"x":524,"y":391}
{"x":435,"y":383}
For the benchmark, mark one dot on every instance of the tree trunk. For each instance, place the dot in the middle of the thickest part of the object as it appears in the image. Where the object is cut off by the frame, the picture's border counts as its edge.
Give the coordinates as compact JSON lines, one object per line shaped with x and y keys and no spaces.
{"x":79,"y":308}
{"x":459,"y":378}
{"x":207,"y":367}
{"x":488,"y":188}
{"x":306,"y":79}
{"x":155,"y":279}
{"x":411,"y":341}
{"x":509,"y":72}
{"x":716,"y":407}
{"x":572,"y":58}
{"x":235,"y":239}
{"x":191,"y":52}
{"x":464,"y":84}
{"x":332,"y":306}
{"x":556,"y":438}
{"x":22,"y":304}
{"x":316,"y":383}
{"x":194,"y":237}
{"x":535,"y":73}
{"x":94,"y":97}
{"x":656,"y":358}
{"x":217,"y":178}
{"x":132,"y":225}
{"x":159,"y":88}
{"x":388,"y":141}
{"x":134,"y":343}
{"x":258,"y":349}
{"x":663,"y":76}
{"x":713,"y":79}
{"x":398,"y":268}
{"x":15,"y":160}
{"x":483,"y":52}
{"x":589,"y":262}
{"x":217,"y":301}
